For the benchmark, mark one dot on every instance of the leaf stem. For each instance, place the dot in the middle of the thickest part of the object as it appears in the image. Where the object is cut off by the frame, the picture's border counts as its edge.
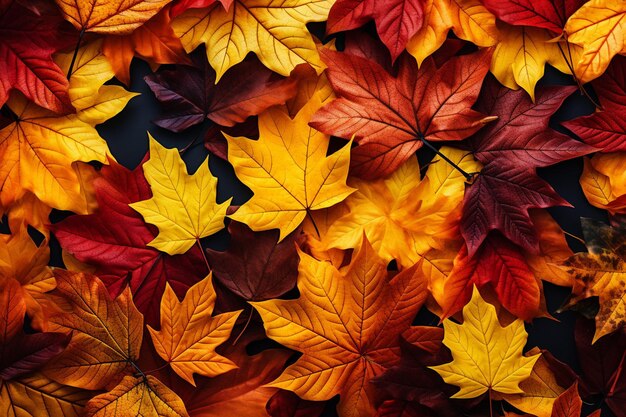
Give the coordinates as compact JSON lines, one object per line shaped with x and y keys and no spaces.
{"x":245,"y":326}
{"x":308,"y":212}
{"x":490,"y":405}
{"x":206,"y":261}
{"x":570,"y":64}
{"x":430,"y":146}
{"x":574,"y":237}
{"x":80,"y":39}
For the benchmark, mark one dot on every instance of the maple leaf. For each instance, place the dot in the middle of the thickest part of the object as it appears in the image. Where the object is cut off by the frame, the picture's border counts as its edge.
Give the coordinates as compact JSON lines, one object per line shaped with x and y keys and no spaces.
{"x":602,"y":182}
{"x":511,"y":149}
{"x":353,"y":338}
{"x":396,"y":20}
{"x":599,"y":26}
{"x":545,"y":14}
{"x":274,"y":30}
{"x":601,"y":273}
{"x":182,"y":206}
{"x":256,"y":267}
{"x":106,"y":333}
{"x":521,"y":54}
{"x":499,"y":263}
{"x":606,"y":129}
{"x":391,"y":123}
{"x":143,"y":396}
{"x":154,"y":42}
{"x":24,"y":391}
{"x":403,"y":215}
{"x":493,"y":360}
{"x":190,"y":95}
{"x":287,"y":170}
{"x":469,"y":20}
{"x":568,"y":404}
{"x":114,"y":239}
{"x":109,"y":16}
{"x":189,"y":335}
{"x":27,"y":43}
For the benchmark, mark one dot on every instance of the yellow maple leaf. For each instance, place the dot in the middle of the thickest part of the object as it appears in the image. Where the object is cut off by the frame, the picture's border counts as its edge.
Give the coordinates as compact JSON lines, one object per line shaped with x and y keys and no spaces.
{"x":143,"y":396}
{"x":109,"y":16}
{"x":485,"y":355}
{"x":599,"y":27}
{"x":346,"y":324}
{"x":469,"y":20}
{"x":403,"y":215}
{"x":189,"y":335}
{"x":288,"y":170}
{"x":604,"y":181}
{"x":275,"y":30}
{"x":182,"y":206}
{"x":521,"y":55}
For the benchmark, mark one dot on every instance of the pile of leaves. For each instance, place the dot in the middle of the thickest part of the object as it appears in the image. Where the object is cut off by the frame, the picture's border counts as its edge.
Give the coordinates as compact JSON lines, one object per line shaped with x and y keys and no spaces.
{"x":393,"y":152}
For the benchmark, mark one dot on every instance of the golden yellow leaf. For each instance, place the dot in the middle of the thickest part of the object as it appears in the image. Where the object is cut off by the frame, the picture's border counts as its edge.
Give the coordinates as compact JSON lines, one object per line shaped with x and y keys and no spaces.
{"x":21,"y":259}
{"x":38,"y":151}
{"x":275,"y":30}
{"x":521,"y":55}
{"x":403,"y":215}
{"x":35,"y":395}
{"x":288,"y":170}
{"x":486,"y":356}
{"x":189,"y":335}
{"x":106,"y":333}
{"x":143,"y":396}
{"x":346,"y":324}
{"x":469,"y":20}
{"x":182,"y":206}
{"x":109,"y":16}
{"x":599,"y":27}
{"x":604,"y":181}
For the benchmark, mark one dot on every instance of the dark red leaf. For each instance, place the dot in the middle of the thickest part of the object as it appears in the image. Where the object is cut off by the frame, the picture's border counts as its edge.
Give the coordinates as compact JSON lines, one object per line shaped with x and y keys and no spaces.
{"x":546,"y":14}
{"x":287,"y":404}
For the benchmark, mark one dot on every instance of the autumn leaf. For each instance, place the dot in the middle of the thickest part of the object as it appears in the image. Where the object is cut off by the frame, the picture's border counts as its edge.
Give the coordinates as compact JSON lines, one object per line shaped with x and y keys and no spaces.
{"x":353,"y":338}
{"x":27,"y":43}
{"x":599,"y":26}
{"x":256,"y":267}
{"x":404,"y":216}
{"x":143,"y":396}
{"x":189,"y":335}
{"x":189,"y":94}
{"x":511,"y":149}
{"x":106,"y":332}
{"x":493,"y":360}
{"x":545,"y":14}
{"x":568,"y":404}
{"x":182,"y":206}
{"x":118,"y":17}
{"x":396,"y":20}
{"x":304,"y":180}
{"x":602,"y":181}
{"x":274,"y":30}
{"x":391,"y":123}
{"x":114,"y":239}
{"x":154,"y":42}
{"x":469,"y":20}
{"x":606,"y":129}
{"x":601,"y":273}
{"x":287,"y":404}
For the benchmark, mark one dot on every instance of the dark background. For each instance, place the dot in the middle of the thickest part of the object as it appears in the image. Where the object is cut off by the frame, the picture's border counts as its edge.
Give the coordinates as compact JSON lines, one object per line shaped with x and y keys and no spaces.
{"x":127,"y":137}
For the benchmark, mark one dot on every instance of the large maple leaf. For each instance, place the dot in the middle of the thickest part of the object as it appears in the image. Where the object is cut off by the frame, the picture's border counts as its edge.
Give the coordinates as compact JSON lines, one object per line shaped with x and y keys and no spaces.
{"x":545,"y":14}
{"x":115,"y":238}
{"x":182,"y":206}
{"x":390,"y":117}
{"x":110,"y":16}
{"x":511,"y":149}
{"x":353,"y":338}
{"x":275,"y":30}
{"x":486,"y":355}
{"x":599,"y":26}
{"x":396,"y":20}
{"x":27,"y":42}
{"x":189,"y":335}
{"x":189,"y":93}
{"x":288,"y":170}
{"x":606,"y":128}
{"x":601,"y":273}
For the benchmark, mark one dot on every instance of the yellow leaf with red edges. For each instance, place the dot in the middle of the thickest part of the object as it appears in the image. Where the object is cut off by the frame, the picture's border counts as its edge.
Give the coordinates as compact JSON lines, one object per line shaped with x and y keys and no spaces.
{"x":346,"y":325}
{"x":189,"y":335}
